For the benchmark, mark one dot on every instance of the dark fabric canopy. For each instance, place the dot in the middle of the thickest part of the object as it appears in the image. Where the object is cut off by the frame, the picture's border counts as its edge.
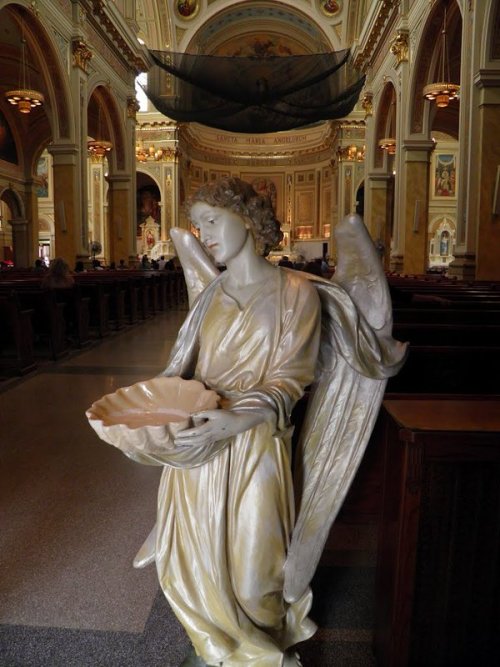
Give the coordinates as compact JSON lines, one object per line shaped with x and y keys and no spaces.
{"x":254,"y":94}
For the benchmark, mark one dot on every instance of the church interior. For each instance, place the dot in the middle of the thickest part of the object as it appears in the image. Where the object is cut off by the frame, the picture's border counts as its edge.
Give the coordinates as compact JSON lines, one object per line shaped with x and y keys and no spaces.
{"x":91,"y":171}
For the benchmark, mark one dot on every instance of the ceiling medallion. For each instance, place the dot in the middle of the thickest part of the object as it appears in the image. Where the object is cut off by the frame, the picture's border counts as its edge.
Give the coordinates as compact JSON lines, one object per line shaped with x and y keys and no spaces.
{"x":330,"y":7}
{"x":187,"y":9}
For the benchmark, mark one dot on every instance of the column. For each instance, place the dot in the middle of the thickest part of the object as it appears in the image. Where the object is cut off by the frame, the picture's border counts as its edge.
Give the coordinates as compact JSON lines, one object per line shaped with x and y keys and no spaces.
{"x":485,"y":216}
{"x":381,"y":188}
{"x":70,"y":232}
{"x":20,"y":242}
{"x":415,"y":199}
{"x":120,"y":213}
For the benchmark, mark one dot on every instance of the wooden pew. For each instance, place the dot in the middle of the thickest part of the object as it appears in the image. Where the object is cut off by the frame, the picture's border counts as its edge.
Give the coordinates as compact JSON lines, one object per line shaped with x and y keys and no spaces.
{"x":48,"y":321}
{"x":16,"y":338}
{"x":438,"y":567}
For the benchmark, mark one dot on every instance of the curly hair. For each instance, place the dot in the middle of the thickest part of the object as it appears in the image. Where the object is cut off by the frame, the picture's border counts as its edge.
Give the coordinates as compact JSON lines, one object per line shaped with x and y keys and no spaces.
{"x":240,"y":197}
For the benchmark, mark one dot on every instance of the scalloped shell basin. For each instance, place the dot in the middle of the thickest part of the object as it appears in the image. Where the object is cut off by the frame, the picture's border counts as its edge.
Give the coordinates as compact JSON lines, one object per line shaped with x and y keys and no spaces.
{"x":142,"y":419}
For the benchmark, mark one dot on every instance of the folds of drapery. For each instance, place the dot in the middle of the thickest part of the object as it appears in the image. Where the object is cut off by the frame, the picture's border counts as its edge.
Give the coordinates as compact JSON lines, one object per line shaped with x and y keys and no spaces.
{"x":254,"y":94}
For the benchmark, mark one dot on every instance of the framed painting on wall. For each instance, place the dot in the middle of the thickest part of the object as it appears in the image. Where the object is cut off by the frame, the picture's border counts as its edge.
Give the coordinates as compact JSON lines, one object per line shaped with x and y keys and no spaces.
{"x":445,"y":175}
{"x":42,"y":173}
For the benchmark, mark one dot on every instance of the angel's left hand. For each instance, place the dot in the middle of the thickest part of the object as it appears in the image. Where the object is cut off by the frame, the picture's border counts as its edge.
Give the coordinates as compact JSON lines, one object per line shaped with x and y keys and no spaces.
{"x":218,"y":425}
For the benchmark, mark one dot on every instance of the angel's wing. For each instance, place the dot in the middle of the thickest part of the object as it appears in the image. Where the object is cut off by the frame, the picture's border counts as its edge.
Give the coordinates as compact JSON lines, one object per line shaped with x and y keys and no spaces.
{"x":199,"y":270}
{"x":344,"y":401}
{"x":360,"y":272}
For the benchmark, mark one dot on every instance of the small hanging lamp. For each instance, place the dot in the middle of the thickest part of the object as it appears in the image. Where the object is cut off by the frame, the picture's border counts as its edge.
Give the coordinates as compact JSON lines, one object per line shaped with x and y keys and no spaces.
{"x":99,"y":147}
{"x":388,"y":144}
{"x":24,"y":97}
{"x":443,"y":91}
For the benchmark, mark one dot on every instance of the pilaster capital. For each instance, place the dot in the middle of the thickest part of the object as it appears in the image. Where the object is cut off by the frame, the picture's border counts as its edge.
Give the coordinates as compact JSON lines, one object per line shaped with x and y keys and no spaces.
{"x":400,"y":46}
{"x":64,"y":153}
{"x":417,"y":150}
{"x":488,"y":83}
{"x":379,"y":180}
{"x":487,"y":78}
{"x":81,"y":54}
{"x":119,"y":181}
{"x":18,"y":224}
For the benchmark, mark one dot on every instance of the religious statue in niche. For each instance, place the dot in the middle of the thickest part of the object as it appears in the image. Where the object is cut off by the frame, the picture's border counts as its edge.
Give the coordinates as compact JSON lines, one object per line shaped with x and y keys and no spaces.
{"x":187,"y":8}
{"x":330,"y":7}
{"x":150,"y":235}
{"x":233,"y":560}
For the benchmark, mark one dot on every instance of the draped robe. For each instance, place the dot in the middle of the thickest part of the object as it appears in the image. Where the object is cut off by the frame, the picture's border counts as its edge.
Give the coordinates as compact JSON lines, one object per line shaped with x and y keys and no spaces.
{"x":224,"y":526}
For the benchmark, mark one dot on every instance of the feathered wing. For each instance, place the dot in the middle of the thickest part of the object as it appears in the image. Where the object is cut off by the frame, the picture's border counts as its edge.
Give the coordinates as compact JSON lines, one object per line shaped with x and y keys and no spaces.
{"x":360,"y":272}
{"x":357,"y":356}
{"x":199,"y":270}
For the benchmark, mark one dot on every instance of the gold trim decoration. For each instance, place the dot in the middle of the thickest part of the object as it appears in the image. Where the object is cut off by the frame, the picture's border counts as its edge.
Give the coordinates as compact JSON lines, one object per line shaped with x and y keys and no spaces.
{"x":367,"y":104}
{"x":81,"y":55}
{"x":133,"y":107}
{"x":400,"y":46}
{"x":351,"y":153}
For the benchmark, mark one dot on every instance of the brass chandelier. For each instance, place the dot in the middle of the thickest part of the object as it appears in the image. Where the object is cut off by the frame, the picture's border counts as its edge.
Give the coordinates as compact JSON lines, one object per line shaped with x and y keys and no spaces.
{"x":99,"y":147}
{"x":388,"y":144}
{"x":443,"y":91}
{"x":24,"y":97}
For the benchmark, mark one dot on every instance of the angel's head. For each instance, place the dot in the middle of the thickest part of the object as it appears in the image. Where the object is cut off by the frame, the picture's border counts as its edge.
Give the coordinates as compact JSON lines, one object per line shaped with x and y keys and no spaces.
{"x":255,"y":211}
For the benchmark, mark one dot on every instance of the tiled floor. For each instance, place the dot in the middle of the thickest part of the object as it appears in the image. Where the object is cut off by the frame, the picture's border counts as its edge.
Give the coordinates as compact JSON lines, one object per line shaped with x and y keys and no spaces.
{"x":74,"y":511}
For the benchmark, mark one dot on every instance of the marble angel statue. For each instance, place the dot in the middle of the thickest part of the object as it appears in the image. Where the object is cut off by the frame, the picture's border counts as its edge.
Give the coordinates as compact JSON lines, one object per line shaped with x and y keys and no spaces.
{"x":238,"y":535}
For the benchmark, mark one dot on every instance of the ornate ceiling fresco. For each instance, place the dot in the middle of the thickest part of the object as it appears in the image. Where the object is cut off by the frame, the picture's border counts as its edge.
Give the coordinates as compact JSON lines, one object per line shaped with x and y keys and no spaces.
{"x":213,"y":26}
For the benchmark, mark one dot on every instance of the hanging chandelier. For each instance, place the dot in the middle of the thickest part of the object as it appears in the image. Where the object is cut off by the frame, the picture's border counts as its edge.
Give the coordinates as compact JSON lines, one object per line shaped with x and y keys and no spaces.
{"x":388,"y":144}
{"x":24,"y":97}
{"x":99,"y":147}
{"x":443,"y":91}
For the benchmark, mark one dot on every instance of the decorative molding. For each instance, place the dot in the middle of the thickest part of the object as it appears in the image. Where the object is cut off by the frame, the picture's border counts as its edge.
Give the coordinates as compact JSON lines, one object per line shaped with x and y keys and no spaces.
{"x":376,"y":26}
{"x":117,"y":30}
{"x":81,"y":55}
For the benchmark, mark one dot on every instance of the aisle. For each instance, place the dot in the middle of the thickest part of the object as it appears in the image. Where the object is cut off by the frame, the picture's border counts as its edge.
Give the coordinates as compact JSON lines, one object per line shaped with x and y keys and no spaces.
{"x":74,"y":511}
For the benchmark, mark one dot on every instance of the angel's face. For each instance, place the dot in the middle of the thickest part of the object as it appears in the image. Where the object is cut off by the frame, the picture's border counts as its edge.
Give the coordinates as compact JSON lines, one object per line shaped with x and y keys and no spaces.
{"x":222,"y":231}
